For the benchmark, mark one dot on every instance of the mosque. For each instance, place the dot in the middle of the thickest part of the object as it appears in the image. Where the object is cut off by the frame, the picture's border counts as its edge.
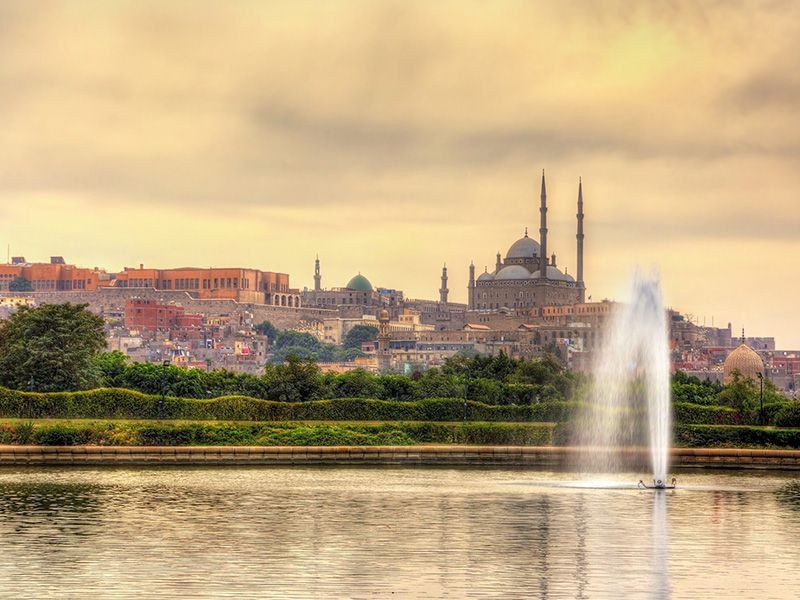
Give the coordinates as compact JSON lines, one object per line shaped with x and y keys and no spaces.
{"x":528,"y":278}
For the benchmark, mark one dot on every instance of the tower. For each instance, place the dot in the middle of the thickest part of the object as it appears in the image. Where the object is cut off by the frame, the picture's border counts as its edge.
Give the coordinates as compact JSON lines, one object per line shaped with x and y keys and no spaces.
{"x":543,"y":231}
{"x":471,"y":287}
{"x":443,"y":290}
{"x":384,"y":356}
{"x":579,"y":237}
{"x":317,"y":276}
{"x":499,"y":264}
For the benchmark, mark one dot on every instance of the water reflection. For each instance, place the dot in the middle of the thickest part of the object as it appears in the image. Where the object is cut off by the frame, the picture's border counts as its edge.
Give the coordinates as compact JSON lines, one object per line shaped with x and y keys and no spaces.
{"x":370,"y":532}
{"x":661,"y":585}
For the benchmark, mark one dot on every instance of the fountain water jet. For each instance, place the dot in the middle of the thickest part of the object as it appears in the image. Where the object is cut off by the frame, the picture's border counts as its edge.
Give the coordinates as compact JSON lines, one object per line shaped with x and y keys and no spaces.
{"x":630,"y":404}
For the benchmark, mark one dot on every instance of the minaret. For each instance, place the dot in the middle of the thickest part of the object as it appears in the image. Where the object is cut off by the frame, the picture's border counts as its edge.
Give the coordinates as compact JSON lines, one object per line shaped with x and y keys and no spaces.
{"x":581,"y":285}
{"x":498,"y":264}
{"x":317,"y":276}
{"x":471,"y":287}
{"x":543,"y":232}
{"x":443,"y":290}
{"x":384,"y":354}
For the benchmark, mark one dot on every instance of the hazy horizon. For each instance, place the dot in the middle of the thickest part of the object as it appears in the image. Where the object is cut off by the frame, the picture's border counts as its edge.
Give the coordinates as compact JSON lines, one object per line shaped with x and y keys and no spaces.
{"x":393,"y":137}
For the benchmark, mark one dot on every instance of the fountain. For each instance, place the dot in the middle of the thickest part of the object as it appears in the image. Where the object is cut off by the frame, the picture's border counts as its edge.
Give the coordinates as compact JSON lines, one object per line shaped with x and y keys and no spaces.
{"x":630,"y":404}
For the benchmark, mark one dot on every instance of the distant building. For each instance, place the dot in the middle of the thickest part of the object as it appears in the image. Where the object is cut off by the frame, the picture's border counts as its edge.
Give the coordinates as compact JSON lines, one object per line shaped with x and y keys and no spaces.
{"x":528,"y":277}
{"x":243,"y":285}
{"x":54,"y":276}
{"x":147,"y":316}
{"x":358,"y":292}
{"x":745,"y":361}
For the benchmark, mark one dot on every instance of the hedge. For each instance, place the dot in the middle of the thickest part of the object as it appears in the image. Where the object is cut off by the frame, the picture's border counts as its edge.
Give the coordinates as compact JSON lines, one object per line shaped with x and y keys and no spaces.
{"x":788,"y":415}
{"x":149,"y":433}
{"x":683,"y":412}
{"x":726,"y":436}
{"x":145,"y":433}
{"x":113,"y":403}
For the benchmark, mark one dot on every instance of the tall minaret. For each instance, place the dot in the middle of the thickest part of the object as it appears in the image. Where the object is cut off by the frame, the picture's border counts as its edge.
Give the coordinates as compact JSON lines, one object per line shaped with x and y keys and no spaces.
{"x":543,"y":232}
{"x":317,"y":276}
{"x":579,"y":236}
{"x":443,"y":290}
{"x":471,"y":287}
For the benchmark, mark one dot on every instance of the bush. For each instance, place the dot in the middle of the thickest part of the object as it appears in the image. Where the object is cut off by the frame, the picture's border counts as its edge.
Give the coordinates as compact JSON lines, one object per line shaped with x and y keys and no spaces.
{"x":788,"y":415}
{"x":710,"y":436}
{"x":127,"y":404}
{"x":271,"y":434}
{"x":684,"y":412}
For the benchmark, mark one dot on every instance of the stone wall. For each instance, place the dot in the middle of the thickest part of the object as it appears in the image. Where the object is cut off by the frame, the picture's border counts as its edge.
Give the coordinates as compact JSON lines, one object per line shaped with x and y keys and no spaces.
{"x":107,"y":301}
{"x":534,"y":456}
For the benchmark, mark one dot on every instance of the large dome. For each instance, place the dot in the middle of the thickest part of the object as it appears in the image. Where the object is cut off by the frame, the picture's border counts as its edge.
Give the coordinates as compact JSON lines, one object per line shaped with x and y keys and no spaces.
{"x":554,"y":274}
{"x":359,"y":283}
{"x":512,"y":272}
{"x":745,"y":360}
{"x":524,"y":247}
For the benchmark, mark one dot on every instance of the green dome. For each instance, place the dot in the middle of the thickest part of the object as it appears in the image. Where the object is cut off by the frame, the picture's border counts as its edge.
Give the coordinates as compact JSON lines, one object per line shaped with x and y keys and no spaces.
{"x":359,"y":283}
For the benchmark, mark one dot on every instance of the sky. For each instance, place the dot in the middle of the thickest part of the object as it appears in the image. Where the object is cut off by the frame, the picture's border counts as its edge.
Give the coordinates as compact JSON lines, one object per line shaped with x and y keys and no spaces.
{"x":393,"y":137}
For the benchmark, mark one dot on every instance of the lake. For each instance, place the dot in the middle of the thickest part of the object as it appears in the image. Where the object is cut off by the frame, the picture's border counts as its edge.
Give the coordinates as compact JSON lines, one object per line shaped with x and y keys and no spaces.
{"x":394,"y":532}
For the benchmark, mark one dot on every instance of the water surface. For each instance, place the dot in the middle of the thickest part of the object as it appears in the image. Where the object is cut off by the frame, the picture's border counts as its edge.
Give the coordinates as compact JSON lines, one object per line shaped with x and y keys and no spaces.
{"x":364,"y":532}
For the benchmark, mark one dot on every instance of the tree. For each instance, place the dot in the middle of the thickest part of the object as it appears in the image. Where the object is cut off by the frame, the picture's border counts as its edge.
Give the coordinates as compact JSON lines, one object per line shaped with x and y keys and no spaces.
{"x":741,"y":393}
{"x":110,"y":368}
{"x":359,"y":334}
{"x":20,"y":284}
{"x":295,"y":381}
{"x":268,"y":329}
{"x":50,"y":348}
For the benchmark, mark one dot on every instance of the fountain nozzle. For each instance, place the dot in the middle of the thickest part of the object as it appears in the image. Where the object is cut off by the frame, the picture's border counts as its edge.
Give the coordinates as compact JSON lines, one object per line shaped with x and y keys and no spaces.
{"x":658,"y":484}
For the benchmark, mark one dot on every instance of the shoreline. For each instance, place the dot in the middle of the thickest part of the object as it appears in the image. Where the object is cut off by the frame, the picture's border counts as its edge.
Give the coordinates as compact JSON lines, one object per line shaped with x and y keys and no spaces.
{"x":534,"y":456}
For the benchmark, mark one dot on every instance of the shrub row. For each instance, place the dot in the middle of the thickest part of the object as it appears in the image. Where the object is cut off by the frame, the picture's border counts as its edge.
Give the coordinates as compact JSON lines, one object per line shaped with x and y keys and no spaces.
{"x":726,"y":436}
{"x":113,"y":403}
{"x":144,"y":433}
{"x":127,"y":404}
{"x":273,"y":434}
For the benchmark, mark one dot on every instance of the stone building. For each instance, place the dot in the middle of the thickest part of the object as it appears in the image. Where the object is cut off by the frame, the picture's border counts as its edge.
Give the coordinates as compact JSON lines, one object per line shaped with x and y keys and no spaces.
{"x":358,"y":292}
{"x":528,"y":277}
{"x":745,"y":360}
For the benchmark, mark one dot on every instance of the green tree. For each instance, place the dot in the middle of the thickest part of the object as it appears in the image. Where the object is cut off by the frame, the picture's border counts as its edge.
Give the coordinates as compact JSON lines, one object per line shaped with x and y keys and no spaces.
{"x":50,"y":348}
{"x":295,"y":381}
{"x":290,"y":337}
{"x":359,"y":334}
{"x":268,"y":329}
{"x":110,"y":368}
{"x":741,"y":393}
{"x":20,"y":284}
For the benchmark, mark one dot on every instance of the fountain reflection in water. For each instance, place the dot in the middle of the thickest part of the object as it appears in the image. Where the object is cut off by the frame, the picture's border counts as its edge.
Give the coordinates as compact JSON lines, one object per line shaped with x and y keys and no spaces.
{"x":630,"y":403}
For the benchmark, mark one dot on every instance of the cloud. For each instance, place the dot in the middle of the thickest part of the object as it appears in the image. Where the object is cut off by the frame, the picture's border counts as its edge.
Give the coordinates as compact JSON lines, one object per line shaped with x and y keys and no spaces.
{"x":389,"y":134}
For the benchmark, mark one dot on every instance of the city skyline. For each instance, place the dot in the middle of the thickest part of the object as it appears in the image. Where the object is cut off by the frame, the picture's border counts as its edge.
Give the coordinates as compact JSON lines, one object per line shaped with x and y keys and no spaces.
{"x":391,"y":138}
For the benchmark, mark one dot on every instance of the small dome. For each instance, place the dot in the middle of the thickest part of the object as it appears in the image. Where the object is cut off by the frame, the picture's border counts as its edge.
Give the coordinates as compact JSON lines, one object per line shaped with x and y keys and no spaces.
{"x":745,"y":360}
{"x":359,"y":283}
{"x":485,"y":276}
{"x":554,"y":274}
{"x":383,"y":315}
{"x":512,"y":272}
{"x":524,"y":247}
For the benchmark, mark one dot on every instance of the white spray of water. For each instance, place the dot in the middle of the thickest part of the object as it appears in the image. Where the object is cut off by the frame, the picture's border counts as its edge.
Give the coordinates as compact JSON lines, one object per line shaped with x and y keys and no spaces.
{"x":631,"y":392}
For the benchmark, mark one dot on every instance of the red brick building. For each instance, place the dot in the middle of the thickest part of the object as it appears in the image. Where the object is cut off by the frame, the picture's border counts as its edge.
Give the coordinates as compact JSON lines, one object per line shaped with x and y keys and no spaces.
{"x":147,"y":316}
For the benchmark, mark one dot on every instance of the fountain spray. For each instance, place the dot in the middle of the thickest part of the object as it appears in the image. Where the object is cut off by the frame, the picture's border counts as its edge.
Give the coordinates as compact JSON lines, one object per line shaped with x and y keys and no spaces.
{"x":630,"y":403}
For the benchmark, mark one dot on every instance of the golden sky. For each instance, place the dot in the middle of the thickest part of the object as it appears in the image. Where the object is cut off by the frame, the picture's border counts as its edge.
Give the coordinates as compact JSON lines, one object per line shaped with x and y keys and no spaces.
{"x":391,"y":137}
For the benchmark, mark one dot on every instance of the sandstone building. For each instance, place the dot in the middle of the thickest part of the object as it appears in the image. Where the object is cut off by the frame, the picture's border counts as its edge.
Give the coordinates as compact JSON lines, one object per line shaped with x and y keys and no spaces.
{"x":528,"y":277}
